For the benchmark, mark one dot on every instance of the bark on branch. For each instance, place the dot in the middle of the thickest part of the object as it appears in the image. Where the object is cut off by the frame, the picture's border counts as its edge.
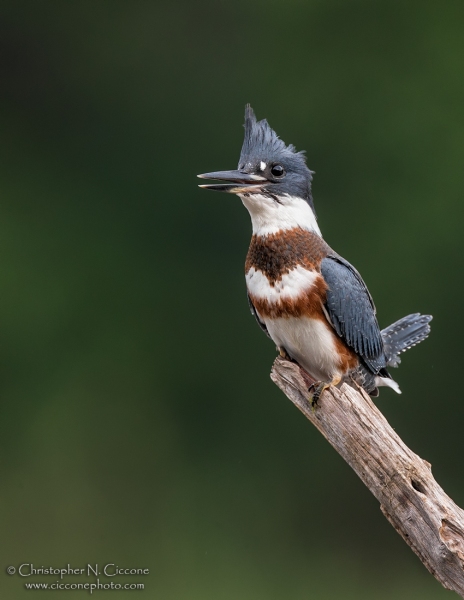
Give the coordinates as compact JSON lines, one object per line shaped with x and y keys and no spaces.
{"x":410,"y":498}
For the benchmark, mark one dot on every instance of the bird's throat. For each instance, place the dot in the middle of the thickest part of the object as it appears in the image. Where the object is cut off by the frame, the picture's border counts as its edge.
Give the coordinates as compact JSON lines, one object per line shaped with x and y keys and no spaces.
{"x":273,"y":214}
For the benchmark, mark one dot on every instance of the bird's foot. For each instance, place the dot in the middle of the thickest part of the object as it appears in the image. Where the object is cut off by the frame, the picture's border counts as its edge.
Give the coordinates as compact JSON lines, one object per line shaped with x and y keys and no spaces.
{"x":284,"y":354}
{"x":318,"y":387}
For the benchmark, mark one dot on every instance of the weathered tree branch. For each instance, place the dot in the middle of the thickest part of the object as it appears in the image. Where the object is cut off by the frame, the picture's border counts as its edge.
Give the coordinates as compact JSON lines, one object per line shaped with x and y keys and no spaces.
{"x":417,"y":507}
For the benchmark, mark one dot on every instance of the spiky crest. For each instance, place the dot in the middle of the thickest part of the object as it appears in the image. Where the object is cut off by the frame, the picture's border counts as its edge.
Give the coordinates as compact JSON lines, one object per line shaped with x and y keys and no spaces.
{"x":261,"y":142}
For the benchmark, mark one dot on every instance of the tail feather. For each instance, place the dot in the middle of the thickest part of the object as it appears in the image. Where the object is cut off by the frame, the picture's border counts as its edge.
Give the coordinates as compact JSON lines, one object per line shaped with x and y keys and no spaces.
{"x":404,"y":334}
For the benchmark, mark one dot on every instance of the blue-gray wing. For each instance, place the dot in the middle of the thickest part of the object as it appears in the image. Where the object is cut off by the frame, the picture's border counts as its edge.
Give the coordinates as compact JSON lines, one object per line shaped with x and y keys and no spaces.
{"x":352,"y":312}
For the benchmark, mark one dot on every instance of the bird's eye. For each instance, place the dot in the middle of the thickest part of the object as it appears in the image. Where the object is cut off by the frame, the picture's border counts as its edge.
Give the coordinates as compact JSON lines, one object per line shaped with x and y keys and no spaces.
{"x":278,"y":170}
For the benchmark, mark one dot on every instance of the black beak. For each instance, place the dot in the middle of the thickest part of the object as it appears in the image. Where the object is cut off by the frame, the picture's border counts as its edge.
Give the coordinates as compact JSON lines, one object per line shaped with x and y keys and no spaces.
{"x":241,"y":183}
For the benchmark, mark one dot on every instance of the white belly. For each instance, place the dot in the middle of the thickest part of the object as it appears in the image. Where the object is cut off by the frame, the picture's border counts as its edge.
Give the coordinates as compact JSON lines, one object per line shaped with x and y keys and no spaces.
{"x":308,"y":341}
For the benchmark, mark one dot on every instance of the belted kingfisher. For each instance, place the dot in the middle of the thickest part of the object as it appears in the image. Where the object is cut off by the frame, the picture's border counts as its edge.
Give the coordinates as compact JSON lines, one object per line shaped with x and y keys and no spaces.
{"x":308,"y":299}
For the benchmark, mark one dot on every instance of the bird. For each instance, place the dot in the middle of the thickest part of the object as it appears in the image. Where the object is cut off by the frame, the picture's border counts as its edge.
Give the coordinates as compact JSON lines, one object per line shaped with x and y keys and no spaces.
{"x":311,"y":302}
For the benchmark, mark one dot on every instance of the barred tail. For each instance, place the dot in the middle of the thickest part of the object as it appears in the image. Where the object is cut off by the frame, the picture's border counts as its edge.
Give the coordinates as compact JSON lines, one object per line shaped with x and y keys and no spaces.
{"x":404,"y":334}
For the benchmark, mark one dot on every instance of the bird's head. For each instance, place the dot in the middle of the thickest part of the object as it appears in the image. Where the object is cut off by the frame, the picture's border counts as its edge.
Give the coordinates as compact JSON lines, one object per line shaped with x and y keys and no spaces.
{"x":272,"y":180}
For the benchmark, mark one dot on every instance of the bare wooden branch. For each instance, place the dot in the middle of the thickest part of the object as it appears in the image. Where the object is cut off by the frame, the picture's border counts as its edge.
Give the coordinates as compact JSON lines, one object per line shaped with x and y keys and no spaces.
{"x":417,"y":507}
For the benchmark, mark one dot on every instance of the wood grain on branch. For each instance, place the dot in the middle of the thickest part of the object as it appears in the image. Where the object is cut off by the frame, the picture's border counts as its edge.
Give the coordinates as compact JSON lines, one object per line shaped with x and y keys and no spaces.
{"x":410,"y":498}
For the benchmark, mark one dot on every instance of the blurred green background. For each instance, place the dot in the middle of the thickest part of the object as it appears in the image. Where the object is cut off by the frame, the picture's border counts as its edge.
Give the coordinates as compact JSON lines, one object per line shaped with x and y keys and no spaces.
{"x":139,"y":425}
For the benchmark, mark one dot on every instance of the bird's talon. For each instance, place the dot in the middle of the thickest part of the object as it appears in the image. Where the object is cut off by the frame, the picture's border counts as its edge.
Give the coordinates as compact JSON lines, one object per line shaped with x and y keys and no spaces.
{"x":318,"y":387}
{"x":283,"y":353}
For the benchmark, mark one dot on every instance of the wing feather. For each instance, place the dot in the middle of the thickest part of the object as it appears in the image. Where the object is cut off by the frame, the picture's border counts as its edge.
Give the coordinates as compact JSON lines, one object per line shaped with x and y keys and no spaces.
{"x":352,"y":311}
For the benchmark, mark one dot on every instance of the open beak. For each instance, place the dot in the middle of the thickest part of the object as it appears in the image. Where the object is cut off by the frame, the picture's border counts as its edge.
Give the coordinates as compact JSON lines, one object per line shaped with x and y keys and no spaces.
{"x":239,"y":182}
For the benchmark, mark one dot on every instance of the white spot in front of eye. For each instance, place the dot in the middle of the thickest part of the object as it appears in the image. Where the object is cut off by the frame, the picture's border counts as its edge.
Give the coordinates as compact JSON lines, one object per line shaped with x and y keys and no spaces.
{"x":262,"y":165}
